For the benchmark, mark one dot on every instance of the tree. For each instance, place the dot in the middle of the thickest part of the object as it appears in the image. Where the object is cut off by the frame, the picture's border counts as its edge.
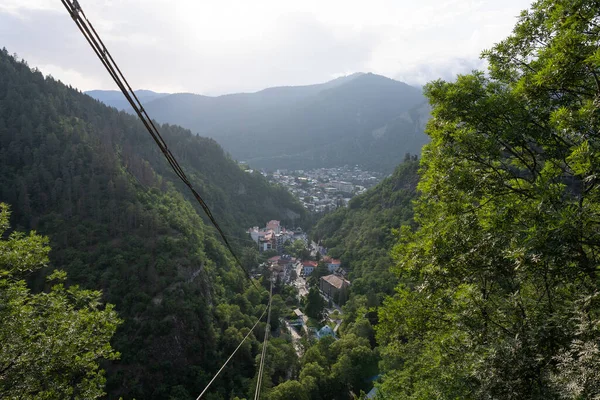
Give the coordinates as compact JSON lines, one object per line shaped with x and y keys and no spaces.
{"x":299,"y":250}
{"x":494,"y":280}
{"x":320,"y":271}
{"x":249,"y":258}
{"x":52,"y":342}
{"x":315,"y":304}
{"x":355,"y":363}
{"x":288,"y":390}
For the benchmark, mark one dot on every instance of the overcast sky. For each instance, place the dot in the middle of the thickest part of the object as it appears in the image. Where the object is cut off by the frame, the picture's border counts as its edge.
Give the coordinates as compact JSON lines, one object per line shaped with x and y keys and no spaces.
{"x":223,"y":46}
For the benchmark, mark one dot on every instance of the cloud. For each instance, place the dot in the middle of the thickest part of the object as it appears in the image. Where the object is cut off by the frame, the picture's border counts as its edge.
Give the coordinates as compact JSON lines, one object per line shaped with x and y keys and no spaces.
{"x":442,"y":68}
{"x":235,"y":45}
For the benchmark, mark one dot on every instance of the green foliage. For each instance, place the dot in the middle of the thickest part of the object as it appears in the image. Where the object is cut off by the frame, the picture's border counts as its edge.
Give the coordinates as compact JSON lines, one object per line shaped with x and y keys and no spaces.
{"x":298,"y":249}
{"x":333,"y":370}
{"x":315,"y":304}
{"x":288,"y":390}
{"x":51,"y":342}
{"x":93,"y":181}
{"x":501,"y":274}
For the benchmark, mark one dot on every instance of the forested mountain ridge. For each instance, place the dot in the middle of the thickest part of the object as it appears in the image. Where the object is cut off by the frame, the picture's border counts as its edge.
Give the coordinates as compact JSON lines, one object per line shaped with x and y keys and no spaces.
{"x":91,"y":179}
{"x":114,"y":98}
{"x":361,"y":119}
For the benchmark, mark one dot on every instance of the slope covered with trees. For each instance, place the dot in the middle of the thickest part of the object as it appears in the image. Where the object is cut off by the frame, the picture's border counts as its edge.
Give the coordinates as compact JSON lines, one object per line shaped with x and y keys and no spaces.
{"x":500,"y":287}
{"x":362,"y":235}
{"x":91,"y":179}
{"x":52,"y":342}
{"x":362,"y":119}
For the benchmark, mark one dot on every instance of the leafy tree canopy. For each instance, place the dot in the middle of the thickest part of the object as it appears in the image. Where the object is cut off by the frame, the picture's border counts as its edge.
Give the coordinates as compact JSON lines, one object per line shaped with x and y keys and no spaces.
{"x":499,"y":284}
{"x":51,"y":343}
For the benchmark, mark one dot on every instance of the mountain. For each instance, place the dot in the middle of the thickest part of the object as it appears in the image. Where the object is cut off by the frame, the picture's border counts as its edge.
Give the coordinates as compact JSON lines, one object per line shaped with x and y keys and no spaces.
{"x":361,"y":119}
{"x":115,"y":98}
{"x":91,"y":179}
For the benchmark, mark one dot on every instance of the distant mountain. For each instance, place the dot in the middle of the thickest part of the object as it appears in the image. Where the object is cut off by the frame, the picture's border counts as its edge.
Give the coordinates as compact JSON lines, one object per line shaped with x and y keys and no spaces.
{"x":115,"y":98}
{"x":361,"y":119}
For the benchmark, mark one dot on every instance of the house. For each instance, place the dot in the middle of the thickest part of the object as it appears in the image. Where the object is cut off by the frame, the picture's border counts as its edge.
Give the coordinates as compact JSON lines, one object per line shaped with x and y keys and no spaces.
{"x":331,"y":285}
{"x":274,"y":260}
{"x":275,"y":226}
{"x":308,"y":267}
{"x":332,"y":264}
{"x":325,"y":331}
{"x":266,"y":241}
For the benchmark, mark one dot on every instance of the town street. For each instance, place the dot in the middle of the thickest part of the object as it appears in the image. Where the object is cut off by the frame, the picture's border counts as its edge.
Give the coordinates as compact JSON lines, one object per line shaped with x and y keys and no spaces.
{"x":295,"y":338}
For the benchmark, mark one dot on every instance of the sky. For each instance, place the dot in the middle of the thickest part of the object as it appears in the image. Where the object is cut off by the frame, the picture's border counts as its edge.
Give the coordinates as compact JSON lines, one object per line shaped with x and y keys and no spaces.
{"x":227,"y":46}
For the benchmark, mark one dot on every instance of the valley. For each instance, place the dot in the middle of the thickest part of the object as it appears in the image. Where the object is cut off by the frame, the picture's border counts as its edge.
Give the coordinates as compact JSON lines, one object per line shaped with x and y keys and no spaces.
{"x":359,"y":238}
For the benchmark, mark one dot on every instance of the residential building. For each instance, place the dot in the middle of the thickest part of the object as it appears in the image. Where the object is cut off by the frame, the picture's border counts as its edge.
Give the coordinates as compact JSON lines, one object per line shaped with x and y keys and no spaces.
{"x":274,"y":236}
{"x":308,"y":267}
{"x":342,"y":186}
{"x":331,"y":285}
{"x":332,"y":264}
{"x":274,"y":225}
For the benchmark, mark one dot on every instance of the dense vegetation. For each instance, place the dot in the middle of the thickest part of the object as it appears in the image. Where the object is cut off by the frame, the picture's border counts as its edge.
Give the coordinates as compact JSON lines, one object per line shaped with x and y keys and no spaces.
{"x":494,"y":290}
{"x":51,"y":342}
{"x":499,"y":284}
{"x":91,"y":179}
{"x":331,"y":370}
{"x":362,"y":119}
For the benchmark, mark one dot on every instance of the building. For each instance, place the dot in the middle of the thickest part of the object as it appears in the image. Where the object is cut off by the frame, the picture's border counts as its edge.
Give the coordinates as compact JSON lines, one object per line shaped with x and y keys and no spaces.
{"x":275,"y":226}
{"x":332,"y":285}
{"x":332,"y":264}
{"x":342,"y":186}
{"x":274,"y":236}
{"x":325,"y":331}
{"x":308,"y":267}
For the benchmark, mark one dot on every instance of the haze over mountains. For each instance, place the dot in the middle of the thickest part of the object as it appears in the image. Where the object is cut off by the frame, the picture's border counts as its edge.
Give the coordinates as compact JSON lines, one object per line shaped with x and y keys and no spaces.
{"x":363,"y":119}
{"x":115,"y":98}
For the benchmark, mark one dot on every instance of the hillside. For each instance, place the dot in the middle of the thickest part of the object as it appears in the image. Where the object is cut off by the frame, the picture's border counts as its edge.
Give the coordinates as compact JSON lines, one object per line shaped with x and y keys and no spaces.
{"x":362,"y":235}
{"x":361,"y":119}
{"x":91,"y":179}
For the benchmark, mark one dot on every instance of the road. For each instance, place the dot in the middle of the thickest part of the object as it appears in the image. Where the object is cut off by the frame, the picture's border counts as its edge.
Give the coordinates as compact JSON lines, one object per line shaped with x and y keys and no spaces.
{"x":295,"y":338}
{"x":300,"y":283}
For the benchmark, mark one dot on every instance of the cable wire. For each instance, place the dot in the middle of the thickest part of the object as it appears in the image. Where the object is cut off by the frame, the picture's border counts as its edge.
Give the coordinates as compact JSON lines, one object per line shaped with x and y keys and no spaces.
{"x":111,"y":66}
{"x":264,"y":348}
{"x":237,"y":348}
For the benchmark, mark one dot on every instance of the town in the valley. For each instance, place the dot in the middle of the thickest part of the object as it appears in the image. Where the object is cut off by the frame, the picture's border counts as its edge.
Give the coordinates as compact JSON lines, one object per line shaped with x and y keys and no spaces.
{"x":324,"y":189}
{"x":321,"y":281}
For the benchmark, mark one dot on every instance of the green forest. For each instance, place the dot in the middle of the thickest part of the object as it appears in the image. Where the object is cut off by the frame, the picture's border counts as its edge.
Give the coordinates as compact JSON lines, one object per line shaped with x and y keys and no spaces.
{"x":473,"y":267}
{"x":90,"y":180}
